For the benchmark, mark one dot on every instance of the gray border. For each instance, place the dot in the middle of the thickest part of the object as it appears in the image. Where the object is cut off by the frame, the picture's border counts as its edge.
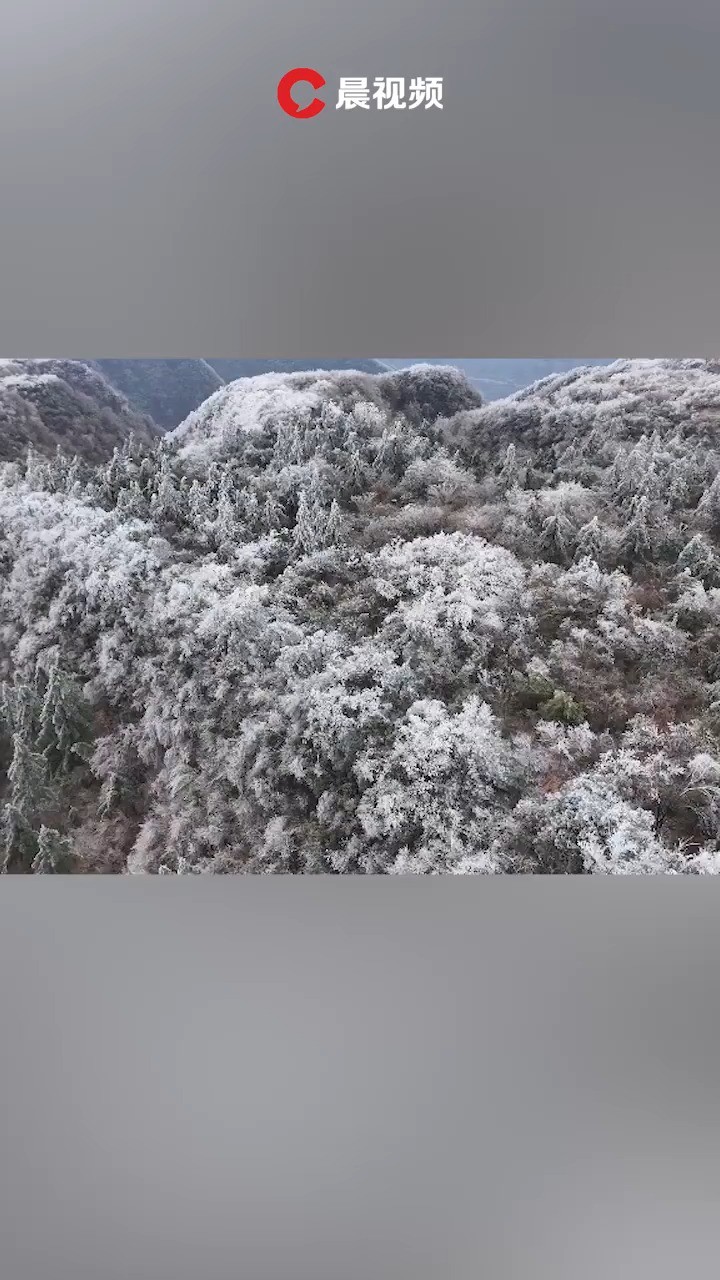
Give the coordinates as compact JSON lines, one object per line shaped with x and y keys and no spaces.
{"x":351,"y":1077}
{"x":157,"y":202}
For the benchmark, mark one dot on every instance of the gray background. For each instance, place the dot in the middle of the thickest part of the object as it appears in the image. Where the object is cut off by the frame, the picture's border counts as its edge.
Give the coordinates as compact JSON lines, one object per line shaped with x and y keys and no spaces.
{"x":156,"y":201}
{"x":365,"y":1078}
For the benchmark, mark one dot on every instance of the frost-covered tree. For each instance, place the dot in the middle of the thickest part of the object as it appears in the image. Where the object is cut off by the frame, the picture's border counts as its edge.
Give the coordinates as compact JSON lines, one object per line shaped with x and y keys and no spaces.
{"x":699,"y":559}
{"x":591,"y":542}
{"x":351,"y":623}
{"x":64,"y":720}
{"x":53,"y":854}
{"x":307,"y":534}
{"x":30,"y":787}
{"x":19,"y":708}
{"x":18,"y":841}
{"x":556,"y":536}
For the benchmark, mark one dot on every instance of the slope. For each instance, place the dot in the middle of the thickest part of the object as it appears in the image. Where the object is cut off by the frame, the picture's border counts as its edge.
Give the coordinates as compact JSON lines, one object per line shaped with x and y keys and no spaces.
{"x":50,"y":404}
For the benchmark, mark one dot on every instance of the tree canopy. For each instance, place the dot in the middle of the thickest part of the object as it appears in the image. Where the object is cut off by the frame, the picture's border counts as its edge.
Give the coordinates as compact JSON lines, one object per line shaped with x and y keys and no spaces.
{"x":355,"y":623}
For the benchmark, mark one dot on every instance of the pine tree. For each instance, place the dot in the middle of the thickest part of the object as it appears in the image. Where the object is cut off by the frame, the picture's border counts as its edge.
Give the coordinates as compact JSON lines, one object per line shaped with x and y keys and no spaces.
{"x":272,"y":514}
{"x":115,"y":473}
{"x":710,"y":504}
{"x":305,"y":536}
{"x":35,"y":468}
{"x":30,"y":786}
{"x":616,"y":472}
{"x":556,"y":536}
{"x":293,"y":444}
{"x":699,"y":558}
{"x":197,"y":504}
{"x":166,"y":503}
{"x":648,"y":482}
{"x":53,"y":852}
{"x":131,"y":501}
{"x":18,"y":841}
{"x":73,"y":485}
{"x":355,"y":467}
{"x":227,"y":525}
{"x":510,"y":470}
{"x":335,"y":525}
{"x":250,"y":506}
{"x":677,"y":488}
{"x":64,"y":721}
{"x":115,"y":763}
{"x":316,"y":489}
{"x":591,"y":542}
{"x":385,"y":450}
{"x":19,"y":709}
{"x":147,"y":477}
{"x":637,"y":541}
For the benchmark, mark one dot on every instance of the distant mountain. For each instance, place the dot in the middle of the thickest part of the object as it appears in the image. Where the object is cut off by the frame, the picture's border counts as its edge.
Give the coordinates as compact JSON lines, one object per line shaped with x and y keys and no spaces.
{"x":65,"y":403}
{"x":167,"y":390}
{"x":495,"y":379}
{"x":88,"y":406}
{"x":170,"y":390}
{"x":230,"y":370}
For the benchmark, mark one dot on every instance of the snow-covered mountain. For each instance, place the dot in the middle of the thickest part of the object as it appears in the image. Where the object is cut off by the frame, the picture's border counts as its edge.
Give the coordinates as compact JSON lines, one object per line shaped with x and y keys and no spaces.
{"x":348,"y":623}
{"x":168,"y":390}
{"x":51,"y":404}
{"x":495,"y":379}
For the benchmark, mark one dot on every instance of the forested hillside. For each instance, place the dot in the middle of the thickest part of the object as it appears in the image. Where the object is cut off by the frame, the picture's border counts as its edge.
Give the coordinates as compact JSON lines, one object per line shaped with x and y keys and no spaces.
{"x":231,"y":370}
{"x":495,"y":379}
{"x":166,"y":390}
{"x":169,"y":390}
{"x":352,"y":623}
{"x":51,"y":404}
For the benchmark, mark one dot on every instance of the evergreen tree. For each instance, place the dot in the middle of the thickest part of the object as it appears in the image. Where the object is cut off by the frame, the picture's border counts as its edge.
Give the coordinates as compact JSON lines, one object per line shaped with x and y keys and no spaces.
{"x":305,"y":536}
{"x":636,"y":545}
{"x":115,"y":473}
{"x":250,"y":507}
{"x":227,"y":525}
{"x":74,"y":479}
{"x":591,"y":542}
{"x":710,"y":504}
{"x":64,"y":721}
{"x":272,"y":513}
{"x":53,"y":852}
{"x":198,"y":507}
{"x":19,"y":709}
{"x":131,"y":501}
{"x":334,"y":526}
{"x":510,"y":470}
{"x":556,"y":536}
{"x":356,"y":470}
{"x":167,"y":502}
{"x":678,"y":485}
{"x":30,"y":786}
{"x":35,"y":468}
{"x":385,"y":453}
{"x":18,"y":841}
{"x":699,"y":558}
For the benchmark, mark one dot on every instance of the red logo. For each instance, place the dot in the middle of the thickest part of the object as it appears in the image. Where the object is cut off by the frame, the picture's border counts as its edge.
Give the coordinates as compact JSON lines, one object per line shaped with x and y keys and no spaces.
{"x":300,"y":75}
